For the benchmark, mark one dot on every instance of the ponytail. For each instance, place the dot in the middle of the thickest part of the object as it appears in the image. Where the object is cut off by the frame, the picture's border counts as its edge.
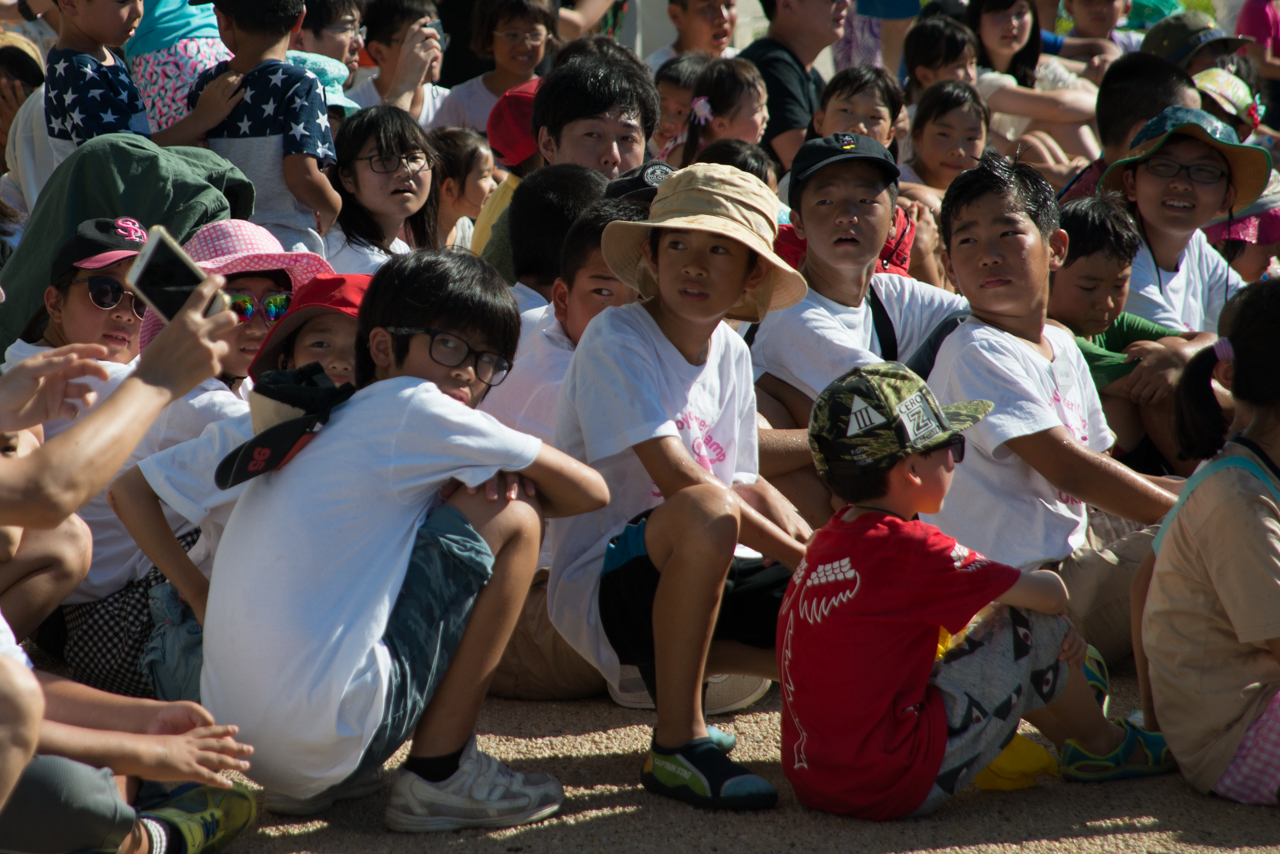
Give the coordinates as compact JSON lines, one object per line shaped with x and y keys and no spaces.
{"x":718,"y":91}
{"x":1199,"y":425}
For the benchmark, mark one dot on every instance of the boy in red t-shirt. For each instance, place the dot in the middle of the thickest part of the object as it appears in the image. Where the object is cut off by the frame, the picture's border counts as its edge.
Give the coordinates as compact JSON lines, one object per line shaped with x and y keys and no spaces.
{"x":871,"y":725}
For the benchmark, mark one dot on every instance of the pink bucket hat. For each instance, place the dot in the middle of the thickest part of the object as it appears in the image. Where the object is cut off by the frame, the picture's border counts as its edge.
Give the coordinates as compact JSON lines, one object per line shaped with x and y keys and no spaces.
{"x":232,"y":246}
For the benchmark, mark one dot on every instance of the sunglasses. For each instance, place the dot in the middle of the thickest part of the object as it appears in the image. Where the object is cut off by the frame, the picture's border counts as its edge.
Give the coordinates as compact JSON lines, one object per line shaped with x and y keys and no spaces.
{"x":956,"y":445}
{"x":106,"y":294}
{"x":273,"y":307}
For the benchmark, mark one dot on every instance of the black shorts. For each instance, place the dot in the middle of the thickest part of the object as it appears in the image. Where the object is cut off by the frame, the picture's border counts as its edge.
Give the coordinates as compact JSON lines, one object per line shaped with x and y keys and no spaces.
{"x":749,"y":604}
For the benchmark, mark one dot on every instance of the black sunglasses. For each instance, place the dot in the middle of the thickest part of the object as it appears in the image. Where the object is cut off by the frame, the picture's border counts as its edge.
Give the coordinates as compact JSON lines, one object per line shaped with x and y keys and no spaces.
{"x":106,"y":294}
{"x":955,"y":444}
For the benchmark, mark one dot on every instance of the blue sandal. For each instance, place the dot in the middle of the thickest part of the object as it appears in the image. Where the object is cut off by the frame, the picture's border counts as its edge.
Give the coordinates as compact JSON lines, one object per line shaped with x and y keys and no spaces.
{"x":1142,"y":754}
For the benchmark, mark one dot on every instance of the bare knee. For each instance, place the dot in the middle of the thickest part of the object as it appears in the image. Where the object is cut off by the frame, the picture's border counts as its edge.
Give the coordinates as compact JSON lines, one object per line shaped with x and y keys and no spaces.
{"x":503,"y":521}
{"x":73,"y":549}
{"x":21,"y":706}
{"x":703,"y":517}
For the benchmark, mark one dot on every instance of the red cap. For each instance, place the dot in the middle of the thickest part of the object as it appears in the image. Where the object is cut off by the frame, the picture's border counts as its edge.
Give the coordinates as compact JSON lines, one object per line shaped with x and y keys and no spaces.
{"x":322,"y":294}
{"x":510,"y":127}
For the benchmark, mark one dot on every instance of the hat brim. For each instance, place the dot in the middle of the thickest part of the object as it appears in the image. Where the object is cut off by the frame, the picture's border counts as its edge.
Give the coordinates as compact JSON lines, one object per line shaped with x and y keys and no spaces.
{"x":106,"y":259}
{"x":890,"y":170}
{"x":302,"y":267}
{"x":965,"y":414}
{"x":782,"y":287}
{"x":268,"y":358}
{"x":1250,"y":166}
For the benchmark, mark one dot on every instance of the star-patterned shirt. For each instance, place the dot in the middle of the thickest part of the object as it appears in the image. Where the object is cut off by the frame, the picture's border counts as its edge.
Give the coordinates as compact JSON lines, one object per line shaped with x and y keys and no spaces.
{"x":84,"y":98}
{"x":283,"y":112}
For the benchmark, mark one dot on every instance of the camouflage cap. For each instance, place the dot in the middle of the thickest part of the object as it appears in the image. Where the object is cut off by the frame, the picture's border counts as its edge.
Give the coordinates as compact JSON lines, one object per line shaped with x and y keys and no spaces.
{"x":876,"y":415}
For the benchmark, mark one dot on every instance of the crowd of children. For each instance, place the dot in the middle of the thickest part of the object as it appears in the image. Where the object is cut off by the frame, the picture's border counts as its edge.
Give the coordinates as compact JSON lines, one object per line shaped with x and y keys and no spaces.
{"x":926,"y":393}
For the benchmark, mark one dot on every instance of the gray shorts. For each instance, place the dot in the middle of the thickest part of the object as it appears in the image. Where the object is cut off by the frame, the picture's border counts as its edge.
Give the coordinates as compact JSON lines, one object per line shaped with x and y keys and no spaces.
{"x":61,"y":805}
{"x":449,"y":564}
{"x":1003,"y":666}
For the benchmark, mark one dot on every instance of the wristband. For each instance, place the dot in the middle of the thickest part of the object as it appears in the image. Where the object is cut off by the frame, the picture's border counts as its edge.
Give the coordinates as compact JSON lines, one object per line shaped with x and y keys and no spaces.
{"x":24,"y":9}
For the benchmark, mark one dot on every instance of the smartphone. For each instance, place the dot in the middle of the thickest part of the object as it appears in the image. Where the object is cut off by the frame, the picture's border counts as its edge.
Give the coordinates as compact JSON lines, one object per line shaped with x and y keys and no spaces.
{"x":438,"y":26}
{"x":163,"y":276}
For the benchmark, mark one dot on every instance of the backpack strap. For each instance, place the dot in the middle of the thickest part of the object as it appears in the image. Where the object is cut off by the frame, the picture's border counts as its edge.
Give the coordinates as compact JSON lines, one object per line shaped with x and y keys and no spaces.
{"x":884,"y":326}
{"x":1200,"y":476}
{"x":749,"y":338}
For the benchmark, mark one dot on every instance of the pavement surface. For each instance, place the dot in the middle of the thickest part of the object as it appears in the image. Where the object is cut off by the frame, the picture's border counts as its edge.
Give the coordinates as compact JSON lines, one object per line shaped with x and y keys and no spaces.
{"x":596,"y":748}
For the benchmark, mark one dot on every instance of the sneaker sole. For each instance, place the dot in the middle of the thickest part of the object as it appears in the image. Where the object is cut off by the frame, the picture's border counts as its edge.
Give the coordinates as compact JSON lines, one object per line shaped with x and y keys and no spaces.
{"x":741,"y":702}
{"x":403,"y":822}
{"x":273,"y":803}
{"x":741,"y":803}
{"x":628,"y":700}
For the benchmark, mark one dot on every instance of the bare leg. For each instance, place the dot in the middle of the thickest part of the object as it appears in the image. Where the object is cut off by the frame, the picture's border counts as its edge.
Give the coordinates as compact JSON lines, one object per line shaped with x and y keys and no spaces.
{"x":137,"y":842}
{"x":735,"y":657}
{"x":1137,"y":604}
{"x":807,"y":492}
{"x":21,"y":710}
{"x":893,"y":33}
{"x":1124,"y":419}
{"x":47,"y":567}
{"x":690,"y":539}
{"x":513,"y":530}
{"x":1077,"y":140}
{"x":1078,"y":716}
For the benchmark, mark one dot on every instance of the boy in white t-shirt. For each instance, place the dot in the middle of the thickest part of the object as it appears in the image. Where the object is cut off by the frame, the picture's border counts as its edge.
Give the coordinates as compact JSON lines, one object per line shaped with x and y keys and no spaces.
{"x":339,"y":623}
{"x":402,"y":40}
{"x":659,"y":398}
{"x":1039,"y":456}
{"x":1184,"y":169}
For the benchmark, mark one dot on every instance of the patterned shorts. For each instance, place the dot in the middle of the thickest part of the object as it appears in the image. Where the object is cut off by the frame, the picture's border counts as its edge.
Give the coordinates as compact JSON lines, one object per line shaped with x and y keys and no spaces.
{"x":106,"y":638}
{"x":1253,"y":777}
{"x":1004,"y":665}
{"x":163,"y":77}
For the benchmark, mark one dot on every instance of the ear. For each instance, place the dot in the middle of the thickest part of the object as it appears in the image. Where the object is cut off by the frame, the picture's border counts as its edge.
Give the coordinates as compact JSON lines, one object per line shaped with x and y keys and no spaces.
{"x":1057,"y":249}
{"x":560,"y":300}
{"x":756,"y":277}
{"x":1224,"y":373}
{"x":377,"y":52}
{"x":950,"y":270}
{"x":348,"y":180}
{"x":450,"y":190}
{"x":295,"y":41}
{"x":380,"y":349}
{"x":1228,"y":200}
{"x":676,"y":15}
{"x":719,"y":126}
{"x":819,"y":115}
{"x":53,"y":301}
{"x":797,"y":222}
{"x":647,"y":252}
{"x":547,"y":145}
{"x":909,"y":470}
{"x":68,"y":8}
{"x":924,"y":76}
{"x":1129,"y":177}
{"x":297,"y":25}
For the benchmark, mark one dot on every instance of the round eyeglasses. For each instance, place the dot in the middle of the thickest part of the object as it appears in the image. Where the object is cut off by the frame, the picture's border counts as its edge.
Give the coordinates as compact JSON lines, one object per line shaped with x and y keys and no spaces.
{"x":106,"y":293}
{"x":451,"y":351}
{"x":415,"y":162}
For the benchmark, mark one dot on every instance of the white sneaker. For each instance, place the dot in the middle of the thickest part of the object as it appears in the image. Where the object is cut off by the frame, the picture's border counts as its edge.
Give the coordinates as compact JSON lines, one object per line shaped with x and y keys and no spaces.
{"x":630,"y":692}
{"x":282,"y":804}
{"x":730,"y":693}
{"x":482,"y":793}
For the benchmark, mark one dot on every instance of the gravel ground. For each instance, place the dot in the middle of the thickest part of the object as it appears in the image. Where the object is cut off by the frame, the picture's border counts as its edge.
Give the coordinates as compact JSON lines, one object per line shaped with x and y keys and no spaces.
{"x":596,"y":749}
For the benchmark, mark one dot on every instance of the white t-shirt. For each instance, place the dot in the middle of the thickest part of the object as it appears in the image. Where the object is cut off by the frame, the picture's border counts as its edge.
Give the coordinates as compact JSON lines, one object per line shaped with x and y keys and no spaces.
{"x":117,"y":560}
{"x":467,"y":106}
{"x":116,"y":374}
{"x":817,"y":340}
{"x":463,"y":230}
{"x":531,"y":305}
{"x":627,"y":384}
{"x":660,"y":56}
{"x":357,"y":259}
{"x":1189,"y":299}
{"x":311,"y":565}
{"x":366,"y":95}
{"x":182,"y":477}
{"x":9,"y":646}
{"x":998,"y":504}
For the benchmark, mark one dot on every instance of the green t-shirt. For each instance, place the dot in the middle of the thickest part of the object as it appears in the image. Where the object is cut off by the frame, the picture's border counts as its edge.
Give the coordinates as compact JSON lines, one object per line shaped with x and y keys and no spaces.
{"x":1104,"y":353}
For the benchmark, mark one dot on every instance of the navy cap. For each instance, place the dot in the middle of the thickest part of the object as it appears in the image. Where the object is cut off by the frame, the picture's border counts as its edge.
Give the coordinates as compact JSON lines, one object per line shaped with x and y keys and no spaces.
{"x":818,"y":153}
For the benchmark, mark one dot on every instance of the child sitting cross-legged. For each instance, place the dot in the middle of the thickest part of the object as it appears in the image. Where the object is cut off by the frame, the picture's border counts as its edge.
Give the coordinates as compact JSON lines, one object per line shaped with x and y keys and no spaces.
{"x":871,"y":725}
{"x":379,"y":627}
{"x":1039,"y":458}
{"x":1135,"y":363}
{"x":658,"y":397}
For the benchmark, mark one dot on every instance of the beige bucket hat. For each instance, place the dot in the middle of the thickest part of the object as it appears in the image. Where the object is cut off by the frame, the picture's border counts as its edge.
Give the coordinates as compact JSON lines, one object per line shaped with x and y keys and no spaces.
{"x":722,"y":200}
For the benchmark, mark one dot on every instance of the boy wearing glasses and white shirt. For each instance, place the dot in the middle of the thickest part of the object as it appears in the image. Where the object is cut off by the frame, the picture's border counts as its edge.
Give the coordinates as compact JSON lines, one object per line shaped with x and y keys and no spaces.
{"x":1184,"y":169}
{"x":516,"y":35}
{"x":402,"y":39}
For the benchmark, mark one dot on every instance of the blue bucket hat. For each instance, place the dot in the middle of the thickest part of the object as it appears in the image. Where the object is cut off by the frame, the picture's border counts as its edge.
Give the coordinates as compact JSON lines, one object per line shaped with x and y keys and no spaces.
{"x":332,"y":74}
{"x":1250,"y":166}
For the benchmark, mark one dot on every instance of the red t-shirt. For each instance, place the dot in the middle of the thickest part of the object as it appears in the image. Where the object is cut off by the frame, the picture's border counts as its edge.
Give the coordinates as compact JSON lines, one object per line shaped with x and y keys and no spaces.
{"x":863,"y":733}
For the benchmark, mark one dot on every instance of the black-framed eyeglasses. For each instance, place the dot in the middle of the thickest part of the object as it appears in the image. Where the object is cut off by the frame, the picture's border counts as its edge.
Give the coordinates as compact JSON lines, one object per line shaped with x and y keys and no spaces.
{"x":1162,"y":167}
{"x":415,"y":163}
{"x":351,"y":29}
{"x":514,"y":37}
{"x":106,"y":294}
{"x":451,"y":351}
{"x":955,"y":445}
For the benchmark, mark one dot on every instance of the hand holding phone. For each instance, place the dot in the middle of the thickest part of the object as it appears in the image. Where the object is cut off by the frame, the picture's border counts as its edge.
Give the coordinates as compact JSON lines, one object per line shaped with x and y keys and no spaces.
{"x":163,"y":277}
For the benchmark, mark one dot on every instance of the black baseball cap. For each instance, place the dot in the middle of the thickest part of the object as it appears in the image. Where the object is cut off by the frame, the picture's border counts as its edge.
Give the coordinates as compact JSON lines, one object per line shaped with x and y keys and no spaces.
{"x":819,"y":153}
{"x":640,"y":183}
{"x":99,"y":243}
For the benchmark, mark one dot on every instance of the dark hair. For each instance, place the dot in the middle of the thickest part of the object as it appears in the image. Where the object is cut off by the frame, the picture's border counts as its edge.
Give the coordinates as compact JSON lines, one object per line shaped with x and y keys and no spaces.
{"x":769,"y":7}
{"x":682,"y":71}
{"x":597,"y":46}
{"x":273,"y":18}
{"x":546,"y":205}
{"x":396,"y":134}
{"x":953,"y":9}
{"x":457,"y":150}
{"x":38,"y":323}
{"x":326,"y":13}
{"x":1023,"y":64}
{"x":586,"y":88}
{"x":943,"y":97}
{"x":724,"y":83}
{"x":739,"y":154}
{"x":488,"y":15}
{"x":383,"y":18}
{"x":1099,"y":224}
{"x":933,"y":43}
{"x":854,"y":484}
{"x":18,"y":64}
{"x":281,"y":278}
{"x":1137,"y":88}
{"x":996,"y":175}
{"x":584,"y":236}
{"x":436,"y":290}
{"x":1199,"y":426}
{"x":860,"y":78}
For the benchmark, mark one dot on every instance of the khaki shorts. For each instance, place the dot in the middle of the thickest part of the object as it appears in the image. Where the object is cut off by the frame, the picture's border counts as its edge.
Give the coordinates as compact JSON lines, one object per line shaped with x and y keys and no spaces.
{"x":539,"y":664}
{"x":1097,"y":580}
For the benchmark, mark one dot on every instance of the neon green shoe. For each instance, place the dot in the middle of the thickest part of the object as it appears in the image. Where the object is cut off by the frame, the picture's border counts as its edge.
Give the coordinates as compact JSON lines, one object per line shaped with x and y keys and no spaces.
{"x":207,"y":819}
{"x":699,"y":774}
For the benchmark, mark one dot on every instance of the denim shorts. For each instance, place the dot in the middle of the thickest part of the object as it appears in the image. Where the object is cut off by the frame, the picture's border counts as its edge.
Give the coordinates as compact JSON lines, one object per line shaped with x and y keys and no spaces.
{"x":449,"y":564}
